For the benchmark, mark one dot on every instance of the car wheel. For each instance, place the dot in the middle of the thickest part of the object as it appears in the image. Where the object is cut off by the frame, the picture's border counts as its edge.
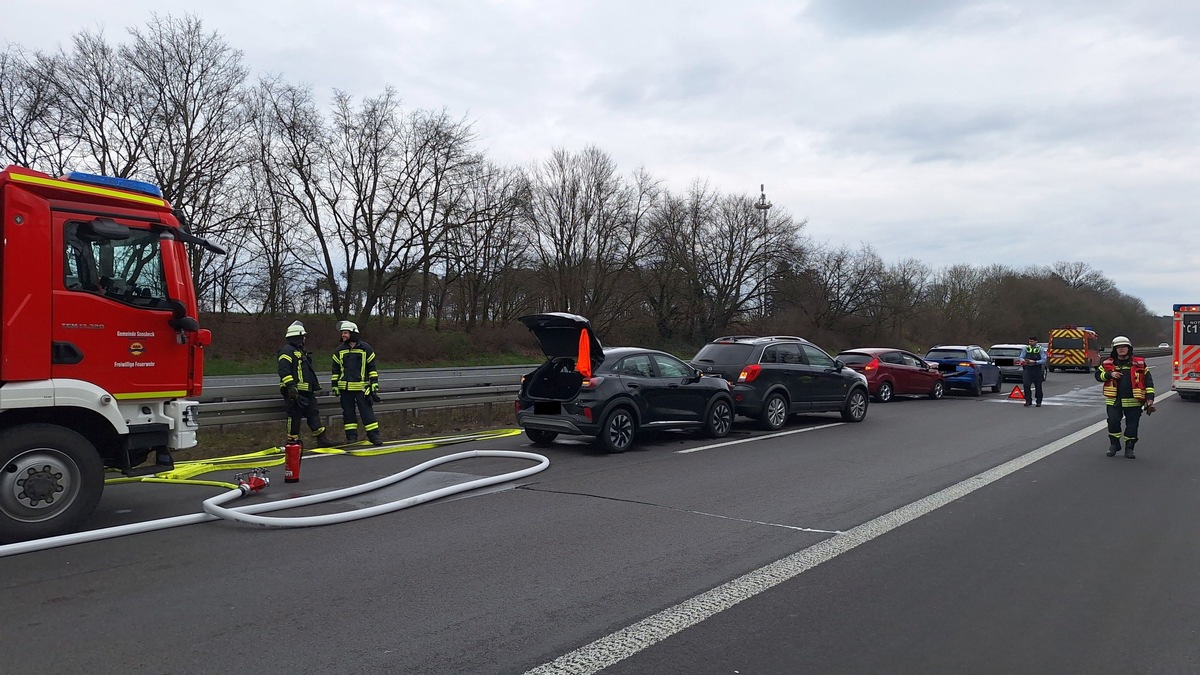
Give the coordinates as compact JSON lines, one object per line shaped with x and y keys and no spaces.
{"x":617,"y":432}
{"x":885,"y":392}
{"x":774,"y":413}
{"x":996,"y":387}
{"x":719,"y":420}
{"x":939,"y":390}
{"x":977,"y":387}
{"x":50,"y":481}
{"x":856,"y":406}
{"x":540,"y":437}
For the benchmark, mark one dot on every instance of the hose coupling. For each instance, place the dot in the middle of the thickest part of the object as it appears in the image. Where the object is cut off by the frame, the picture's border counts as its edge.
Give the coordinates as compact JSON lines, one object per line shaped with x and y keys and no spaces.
{"x":252,"y":480}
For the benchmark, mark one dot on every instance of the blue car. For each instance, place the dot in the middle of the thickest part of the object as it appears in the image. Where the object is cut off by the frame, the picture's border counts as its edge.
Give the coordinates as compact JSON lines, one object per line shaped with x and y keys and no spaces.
{"x":966,"y":367}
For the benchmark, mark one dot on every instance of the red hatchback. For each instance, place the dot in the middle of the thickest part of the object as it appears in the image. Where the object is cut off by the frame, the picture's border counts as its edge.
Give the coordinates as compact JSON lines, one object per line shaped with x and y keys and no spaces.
{"x":894,"y":372}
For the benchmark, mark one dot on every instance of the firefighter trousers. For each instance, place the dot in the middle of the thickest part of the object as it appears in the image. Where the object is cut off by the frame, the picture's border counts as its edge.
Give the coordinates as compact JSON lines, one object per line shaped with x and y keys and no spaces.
{"x":1132,"y":417}
{"x":303,"y":407}
{"x":355,"y":403}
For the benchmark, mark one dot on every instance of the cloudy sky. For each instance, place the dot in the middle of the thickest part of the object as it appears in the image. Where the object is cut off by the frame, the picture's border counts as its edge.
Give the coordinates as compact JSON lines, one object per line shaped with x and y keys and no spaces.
{"x":1018,"y":132}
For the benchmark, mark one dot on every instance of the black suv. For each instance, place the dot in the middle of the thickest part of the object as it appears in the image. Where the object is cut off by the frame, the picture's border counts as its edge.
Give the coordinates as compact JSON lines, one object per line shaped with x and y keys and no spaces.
{"x":586,"y":389}
{"x":774,"y":377}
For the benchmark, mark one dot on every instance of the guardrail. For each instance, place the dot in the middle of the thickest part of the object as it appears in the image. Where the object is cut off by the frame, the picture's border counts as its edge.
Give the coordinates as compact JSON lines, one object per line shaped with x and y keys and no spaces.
{"x":401,"y":391}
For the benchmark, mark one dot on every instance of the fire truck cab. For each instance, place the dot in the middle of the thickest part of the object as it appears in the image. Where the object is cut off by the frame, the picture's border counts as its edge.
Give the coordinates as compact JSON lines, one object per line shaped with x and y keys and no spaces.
{"x":101,"y":351}
{"x":1073,"y":347}
{"x":1185,"y":351}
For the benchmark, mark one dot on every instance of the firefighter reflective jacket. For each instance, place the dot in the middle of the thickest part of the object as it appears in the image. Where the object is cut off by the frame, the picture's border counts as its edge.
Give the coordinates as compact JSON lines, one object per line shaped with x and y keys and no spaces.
{"x":354,"y":368}
{"x":1133,"y":388}
{"x":295,"y":367}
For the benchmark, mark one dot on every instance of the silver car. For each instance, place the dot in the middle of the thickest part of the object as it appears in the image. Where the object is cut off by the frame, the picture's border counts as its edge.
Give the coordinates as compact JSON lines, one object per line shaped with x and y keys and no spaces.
{"x":1006,"y":357}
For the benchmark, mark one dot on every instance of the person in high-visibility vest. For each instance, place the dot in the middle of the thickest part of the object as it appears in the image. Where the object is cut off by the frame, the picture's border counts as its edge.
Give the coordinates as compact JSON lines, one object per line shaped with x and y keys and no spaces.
{"x":1128,"y":389}
{"x":299,"y":385}
{"x":357,"y":382}
{"x":1033,"y":371}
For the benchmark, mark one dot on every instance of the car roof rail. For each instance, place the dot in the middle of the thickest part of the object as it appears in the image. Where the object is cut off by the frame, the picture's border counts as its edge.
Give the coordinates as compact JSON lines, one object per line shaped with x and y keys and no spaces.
{"x":736,"y":337}
{"x":785,"y":337}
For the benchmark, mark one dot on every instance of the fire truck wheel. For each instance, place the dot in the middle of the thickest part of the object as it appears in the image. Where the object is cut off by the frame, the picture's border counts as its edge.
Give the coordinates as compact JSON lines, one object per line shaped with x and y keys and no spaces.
{"x":50,"y":481}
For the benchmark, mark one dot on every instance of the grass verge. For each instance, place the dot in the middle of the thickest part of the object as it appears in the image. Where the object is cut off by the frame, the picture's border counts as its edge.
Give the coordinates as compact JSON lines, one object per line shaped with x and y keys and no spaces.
{"x":242,"y":438}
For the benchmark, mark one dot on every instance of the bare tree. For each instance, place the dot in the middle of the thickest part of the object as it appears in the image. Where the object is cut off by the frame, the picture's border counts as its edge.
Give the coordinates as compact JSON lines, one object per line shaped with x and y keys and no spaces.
{"x":590,"y":227}
{"x":728,"y":255}
{"x":436,"y":179}
{"x":489,"y":242}
{"x":102,"y":103}
{"x":31,"y":133}
{"x":195,"y":144}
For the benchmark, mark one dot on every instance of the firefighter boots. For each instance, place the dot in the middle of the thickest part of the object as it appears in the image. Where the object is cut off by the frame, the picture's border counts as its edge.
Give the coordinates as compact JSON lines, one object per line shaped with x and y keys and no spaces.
{"x":324,"y":440}
{"x":1129,"y":448}
{"x":351,"y":437}
{"x":1114,"y":446}
{"x":375,"y":439}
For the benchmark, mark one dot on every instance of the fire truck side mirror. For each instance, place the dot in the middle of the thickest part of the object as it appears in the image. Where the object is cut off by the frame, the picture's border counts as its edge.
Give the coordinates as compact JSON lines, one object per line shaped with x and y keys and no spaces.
{"x":103,"y":229}
{"x":186,"y":324}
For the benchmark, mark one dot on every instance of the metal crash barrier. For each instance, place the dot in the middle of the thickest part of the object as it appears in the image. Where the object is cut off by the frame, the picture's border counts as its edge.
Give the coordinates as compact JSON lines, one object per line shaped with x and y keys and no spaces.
{"x":402,"y":391}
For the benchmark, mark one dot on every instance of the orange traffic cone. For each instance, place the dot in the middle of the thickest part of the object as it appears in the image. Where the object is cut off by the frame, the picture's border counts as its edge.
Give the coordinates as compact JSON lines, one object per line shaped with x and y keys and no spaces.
{"x":1017,"y":394}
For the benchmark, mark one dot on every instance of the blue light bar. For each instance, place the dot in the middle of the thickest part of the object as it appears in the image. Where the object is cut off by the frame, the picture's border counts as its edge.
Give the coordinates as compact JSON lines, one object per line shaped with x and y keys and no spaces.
{"x":119,"y":183}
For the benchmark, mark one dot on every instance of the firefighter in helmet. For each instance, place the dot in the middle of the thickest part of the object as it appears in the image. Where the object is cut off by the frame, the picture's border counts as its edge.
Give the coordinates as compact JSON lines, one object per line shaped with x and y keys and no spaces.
{"x":1128,"y":389}
{"x":356,"y":381}
{"x":299,"y":385}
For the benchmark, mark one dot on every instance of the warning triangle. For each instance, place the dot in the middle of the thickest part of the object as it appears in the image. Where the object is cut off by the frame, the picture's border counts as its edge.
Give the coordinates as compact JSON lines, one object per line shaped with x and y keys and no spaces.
{"x":1016,"y":393}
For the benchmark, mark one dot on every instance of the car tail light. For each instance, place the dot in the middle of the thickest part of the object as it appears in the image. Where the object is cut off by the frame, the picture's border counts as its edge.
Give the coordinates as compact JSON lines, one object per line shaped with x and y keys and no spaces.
{"x":516,"y":406}
{"x":966,"y":364}
{"x":749,"y":373}
{"x":591,"y":382}
{"x":871,"y":365}
{"x":587,"y":412}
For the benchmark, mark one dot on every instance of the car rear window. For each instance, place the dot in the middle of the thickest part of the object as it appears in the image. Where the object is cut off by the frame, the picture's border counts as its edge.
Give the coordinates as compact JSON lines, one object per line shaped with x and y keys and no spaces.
{"x":854,"y":358}
{"x":935,"y":354}
{"x":1004,"y":352}
{"x":1066,"y":343}
{"x":724,"y":352}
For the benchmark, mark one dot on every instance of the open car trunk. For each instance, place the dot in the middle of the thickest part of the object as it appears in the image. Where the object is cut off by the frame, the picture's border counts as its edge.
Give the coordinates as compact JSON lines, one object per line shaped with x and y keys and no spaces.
{"x":565,"y":339}
{"x":555,"y":380}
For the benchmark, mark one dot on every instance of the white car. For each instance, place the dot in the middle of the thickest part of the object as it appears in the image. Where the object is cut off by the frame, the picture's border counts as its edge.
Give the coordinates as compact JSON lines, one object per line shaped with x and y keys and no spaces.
{"x":1163,"y":345}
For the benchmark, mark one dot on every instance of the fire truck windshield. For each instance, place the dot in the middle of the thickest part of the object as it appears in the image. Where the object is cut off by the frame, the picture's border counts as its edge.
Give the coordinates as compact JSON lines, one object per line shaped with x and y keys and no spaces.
{"x":128,"y":270}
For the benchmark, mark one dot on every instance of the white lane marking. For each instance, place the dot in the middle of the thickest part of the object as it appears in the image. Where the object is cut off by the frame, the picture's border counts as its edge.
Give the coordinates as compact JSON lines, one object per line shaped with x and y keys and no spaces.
{"x":758,"y":438}
{"x":604,"y":652}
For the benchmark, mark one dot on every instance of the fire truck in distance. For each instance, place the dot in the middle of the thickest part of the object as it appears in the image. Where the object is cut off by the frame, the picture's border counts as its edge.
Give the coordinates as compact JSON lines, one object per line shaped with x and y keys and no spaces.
{"x":101,"y":353}
{"x":1073,"y":347}
{"x":1185,"y":351}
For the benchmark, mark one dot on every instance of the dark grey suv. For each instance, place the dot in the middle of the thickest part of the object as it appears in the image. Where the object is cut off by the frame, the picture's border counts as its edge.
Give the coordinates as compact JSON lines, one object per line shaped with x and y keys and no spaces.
{"x":773,"y":377}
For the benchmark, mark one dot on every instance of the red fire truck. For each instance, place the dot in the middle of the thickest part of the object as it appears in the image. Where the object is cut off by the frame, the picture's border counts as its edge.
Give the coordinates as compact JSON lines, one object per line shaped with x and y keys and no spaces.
{"x":1185,"y":352}
{"x":101,"y":353}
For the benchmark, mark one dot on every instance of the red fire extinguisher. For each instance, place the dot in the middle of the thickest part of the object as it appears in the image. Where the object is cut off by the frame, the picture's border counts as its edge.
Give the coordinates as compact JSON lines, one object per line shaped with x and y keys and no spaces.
{"x":291,"y":461}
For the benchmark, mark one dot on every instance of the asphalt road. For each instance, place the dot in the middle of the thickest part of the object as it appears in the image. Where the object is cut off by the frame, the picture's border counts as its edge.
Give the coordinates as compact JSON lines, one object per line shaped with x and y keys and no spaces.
{"x":1073,"y":563}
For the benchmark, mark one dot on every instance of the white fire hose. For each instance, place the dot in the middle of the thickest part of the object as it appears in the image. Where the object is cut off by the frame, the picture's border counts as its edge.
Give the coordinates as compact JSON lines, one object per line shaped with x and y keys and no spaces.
{"x":214,"y":510}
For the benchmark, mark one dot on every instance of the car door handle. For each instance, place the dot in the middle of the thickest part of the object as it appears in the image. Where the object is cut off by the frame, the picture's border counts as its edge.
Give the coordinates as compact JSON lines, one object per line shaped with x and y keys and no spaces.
{"x":632,"y":385}
{"x":673,"y":385}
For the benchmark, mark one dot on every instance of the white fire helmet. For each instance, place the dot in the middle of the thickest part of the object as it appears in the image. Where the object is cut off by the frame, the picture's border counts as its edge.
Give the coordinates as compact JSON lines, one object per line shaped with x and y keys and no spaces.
{"x":1121,"y":340}
{"x":348,"y":325}
{"x":295,"y":329}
